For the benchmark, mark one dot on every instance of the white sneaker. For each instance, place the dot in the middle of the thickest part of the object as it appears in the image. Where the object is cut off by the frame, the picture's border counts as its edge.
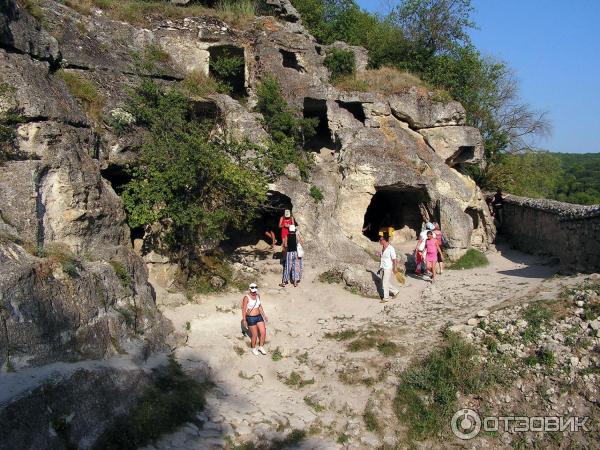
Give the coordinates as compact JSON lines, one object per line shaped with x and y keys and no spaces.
{"x":262,"y":350}
{"x":255,"y":351}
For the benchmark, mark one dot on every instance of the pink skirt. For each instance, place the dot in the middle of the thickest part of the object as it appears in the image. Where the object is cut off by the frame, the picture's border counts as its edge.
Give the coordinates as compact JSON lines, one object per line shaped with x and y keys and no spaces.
{"x":432,"y":257}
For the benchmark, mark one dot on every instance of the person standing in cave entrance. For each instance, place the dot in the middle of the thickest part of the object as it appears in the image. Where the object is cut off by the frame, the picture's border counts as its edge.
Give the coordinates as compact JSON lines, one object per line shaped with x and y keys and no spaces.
{"x":292,"y":263}
{"x":389,"y":265}
{"x":285,"y":222}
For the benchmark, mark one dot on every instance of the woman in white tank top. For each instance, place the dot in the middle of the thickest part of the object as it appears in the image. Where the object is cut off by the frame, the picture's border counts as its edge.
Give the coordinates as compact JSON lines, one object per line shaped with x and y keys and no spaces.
{"x":254,"y":317}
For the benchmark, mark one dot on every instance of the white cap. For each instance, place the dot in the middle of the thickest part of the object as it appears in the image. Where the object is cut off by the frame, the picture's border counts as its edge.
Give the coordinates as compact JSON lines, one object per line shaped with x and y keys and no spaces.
{"x":287,"y":213}
{"x":429,"y":226}
{"x":293,"y":228}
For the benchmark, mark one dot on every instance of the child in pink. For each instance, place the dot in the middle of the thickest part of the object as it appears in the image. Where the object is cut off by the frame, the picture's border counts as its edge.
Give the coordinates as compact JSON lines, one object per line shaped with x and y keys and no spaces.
{"x":432,"y":247}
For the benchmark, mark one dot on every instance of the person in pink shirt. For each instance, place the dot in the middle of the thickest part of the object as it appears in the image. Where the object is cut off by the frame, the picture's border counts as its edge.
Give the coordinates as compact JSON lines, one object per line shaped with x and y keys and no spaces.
{"x":433,"y":249}
{"x":440,"y":240}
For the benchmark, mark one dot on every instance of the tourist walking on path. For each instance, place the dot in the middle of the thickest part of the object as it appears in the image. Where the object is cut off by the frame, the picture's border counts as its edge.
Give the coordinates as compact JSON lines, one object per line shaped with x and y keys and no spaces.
{"x":292,"y":263}
{"x":433,"y":249}
{"x":254,"y":318}
{"x":441,"y":239}
{"x":389,"y":266}
{"x":285,"y":222}
{"x":420,"y":251}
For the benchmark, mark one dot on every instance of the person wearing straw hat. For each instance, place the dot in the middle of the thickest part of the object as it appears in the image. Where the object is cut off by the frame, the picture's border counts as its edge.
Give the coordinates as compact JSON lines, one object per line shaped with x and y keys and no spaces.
{"x":254,"y":318}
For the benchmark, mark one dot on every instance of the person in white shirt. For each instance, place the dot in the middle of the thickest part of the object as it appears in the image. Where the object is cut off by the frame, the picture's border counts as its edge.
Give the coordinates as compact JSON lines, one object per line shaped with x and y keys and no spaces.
{"x":389,"y":265}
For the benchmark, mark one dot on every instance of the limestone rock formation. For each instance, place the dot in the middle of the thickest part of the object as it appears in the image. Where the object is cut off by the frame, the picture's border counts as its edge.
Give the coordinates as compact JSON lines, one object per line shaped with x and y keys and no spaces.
{"x":72,"y":287}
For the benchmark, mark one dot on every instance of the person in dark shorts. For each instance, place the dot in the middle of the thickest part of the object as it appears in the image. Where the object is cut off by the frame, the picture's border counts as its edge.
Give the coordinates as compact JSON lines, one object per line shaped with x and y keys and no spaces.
{"x":254,"y":318}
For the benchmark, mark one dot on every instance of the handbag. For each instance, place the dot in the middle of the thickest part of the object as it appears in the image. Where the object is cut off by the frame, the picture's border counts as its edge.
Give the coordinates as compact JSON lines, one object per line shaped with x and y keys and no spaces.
{"x":299,"y":250}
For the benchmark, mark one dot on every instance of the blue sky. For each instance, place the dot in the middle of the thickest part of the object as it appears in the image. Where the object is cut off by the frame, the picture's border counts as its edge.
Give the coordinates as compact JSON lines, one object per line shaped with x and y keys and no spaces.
{"x":553,"y":46}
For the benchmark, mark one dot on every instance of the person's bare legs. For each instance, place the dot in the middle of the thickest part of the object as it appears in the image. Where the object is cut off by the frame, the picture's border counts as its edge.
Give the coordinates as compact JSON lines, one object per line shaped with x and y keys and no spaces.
{"x":431,"y":268}
{"x":253,"y":335}
{"x":262,"y":329}
{"x":271,"y":236}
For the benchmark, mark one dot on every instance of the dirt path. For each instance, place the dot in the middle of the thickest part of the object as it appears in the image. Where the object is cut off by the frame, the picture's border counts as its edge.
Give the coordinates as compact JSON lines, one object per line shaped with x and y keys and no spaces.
{"x":252,"y":398}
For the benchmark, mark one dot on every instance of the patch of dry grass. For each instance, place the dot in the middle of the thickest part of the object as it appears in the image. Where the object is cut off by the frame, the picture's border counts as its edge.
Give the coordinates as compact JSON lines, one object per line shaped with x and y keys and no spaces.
{"x":388,"y":81}
{"x":144,"y":12}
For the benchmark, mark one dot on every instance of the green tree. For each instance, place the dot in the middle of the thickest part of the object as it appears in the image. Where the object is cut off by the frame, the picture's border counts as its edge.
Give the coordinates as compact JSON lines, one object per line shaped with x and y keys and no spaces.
{"x":194,"y":186}
{"x":531,"y":174}
{"x":281,"y":121}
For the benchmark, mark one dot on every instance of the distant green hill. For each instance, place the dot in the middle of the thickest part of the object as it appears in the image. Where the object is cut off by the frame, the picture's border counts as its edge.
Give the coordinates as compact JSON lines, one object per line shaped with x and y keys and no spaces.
{"x":580,"y":181}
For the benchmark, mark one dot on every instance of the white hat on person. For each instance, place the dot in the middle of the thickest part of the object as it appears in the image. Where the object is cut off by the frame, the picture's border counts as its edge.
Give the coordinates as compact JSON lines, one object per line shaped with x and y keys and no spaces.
{"x":287,"y":213}
{"x":429,"y":226}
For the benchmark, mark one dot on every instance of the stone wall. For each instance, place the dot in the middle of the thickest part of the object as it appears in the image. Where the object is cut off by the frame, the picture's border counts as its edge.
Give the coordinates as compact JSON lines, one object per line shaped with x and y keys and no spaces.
{"x":569,"y":232}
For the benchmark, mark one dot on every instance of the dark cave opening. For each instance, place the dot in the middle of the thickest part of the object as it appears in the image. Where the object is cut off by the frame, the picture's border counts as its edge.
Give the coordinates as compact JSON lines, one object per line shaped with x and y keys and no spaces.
{"x":118,"y":177}
{"x":354,"y":108}
{"x":267,"y":220}
{"x":474,"y":213}
{"x":290,"y":60}
{"x":403,"y":209}
{"x":464,"y":153}
{"x":203,"y":110}
{"x":227,"y":65}
{"x":317,"y":108}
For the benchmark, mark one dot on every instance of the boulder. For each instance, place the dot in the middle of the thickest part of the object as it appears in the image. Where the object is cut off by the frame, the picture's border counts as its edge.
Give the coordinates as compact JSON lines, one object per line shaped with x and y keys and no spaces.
{"x":22,"y":32}
{"x":419,"y":109}
{"x":455,"y":144}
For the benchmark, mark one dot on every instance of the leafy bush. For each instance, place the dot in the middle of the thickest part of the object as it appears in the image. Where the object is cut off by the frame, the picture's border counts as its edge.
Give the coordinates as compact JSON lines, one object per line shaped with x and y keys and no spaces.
{"x":340,"y":63}
{"x":288,"y":131}
{"x":194,"y":186}
{"x":228,"y":70}
{"x":316,"y":193}
{"x":473,"y":258}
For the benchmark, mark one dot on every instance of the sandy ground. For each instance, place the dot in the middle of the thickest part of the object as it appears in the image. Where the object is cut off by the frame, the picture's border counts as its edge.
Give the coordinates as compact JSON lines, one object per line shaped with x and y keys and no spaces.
{"x":251,"y":399}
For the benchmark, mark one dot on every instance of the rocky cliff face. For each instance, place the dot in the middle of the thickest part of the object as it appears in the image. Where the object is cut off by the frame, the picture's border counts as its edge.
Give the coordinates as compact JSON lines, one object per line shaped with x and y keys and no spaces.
{"x":71,"y":285}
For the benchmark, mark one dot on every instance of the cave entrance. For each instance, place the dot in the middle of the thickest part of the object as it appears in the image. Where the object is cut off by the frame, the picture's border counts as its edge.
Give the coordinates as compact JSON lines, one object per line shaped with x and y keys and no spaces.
{"x":354,"y":108}
{"x":290,"y":60}
{"x":227,"y":65}
{"x":476,"y":216}
{"x":403,"y":209}
{"x":461,"y":159}
{"x":317,"y":108}
{"x":267,"y":220}
{"x":118,"y":177}
{"x":204,"y":110}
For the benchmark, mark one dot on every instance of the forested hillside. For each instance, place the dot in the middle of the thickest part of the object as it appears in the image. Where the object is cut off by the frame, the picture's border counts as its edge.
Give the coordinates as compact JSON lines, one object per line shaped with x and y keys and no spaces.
{"x":580,"y":181}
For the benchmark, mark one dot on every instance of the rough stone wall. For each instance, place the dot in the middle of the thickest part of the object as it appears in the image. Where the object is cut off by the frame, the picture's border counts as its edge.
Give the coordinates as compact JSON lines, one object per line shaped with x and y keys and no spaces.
{"x":569,"y":232}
